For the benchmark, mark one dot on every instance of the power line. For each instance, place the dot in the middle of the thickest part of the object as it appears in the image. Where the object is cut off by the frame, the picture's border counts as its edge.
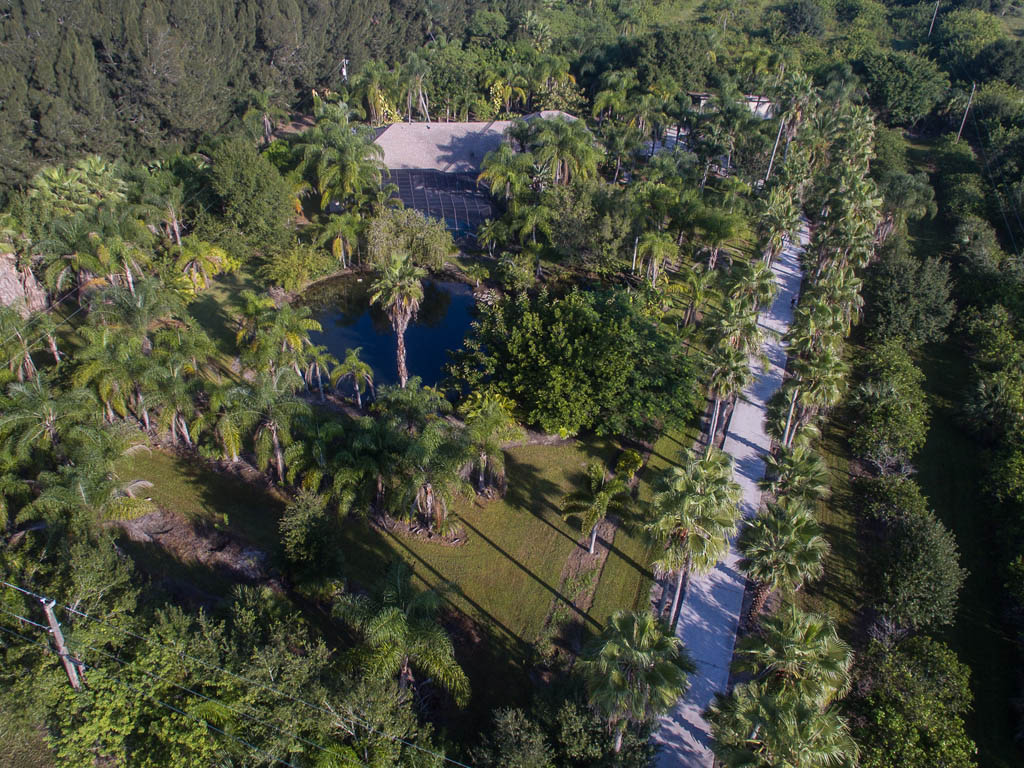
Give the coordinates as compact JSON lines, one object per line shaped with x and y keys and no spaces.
{"x":163,"y":704}
{"x":34,"y":315}
{"x":65,"y":321}
{"x":243,"y":678}
{"x":27,"y":621}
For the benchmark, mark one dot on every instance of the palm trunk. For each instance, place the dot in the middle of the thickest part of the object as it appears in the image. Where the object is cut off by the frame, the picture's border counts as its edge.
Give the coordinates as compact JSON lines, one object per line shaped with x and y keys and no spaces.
{"x":618,"y":738}
{"x":593,"y":537}
{"x":714,"y":425}
{"x":761,"y":594}
{"x":483,"y":467}
{"x":278,"y":454}
{"x":52,"y":341}
{"x":403,"y":373}
{"x":664,"y":600}
{"x":677,"y":598}
{"x":319,"y":382}
{"x":359,"y":396}
{"x":184,"y":430}
{"x":789,"y":417}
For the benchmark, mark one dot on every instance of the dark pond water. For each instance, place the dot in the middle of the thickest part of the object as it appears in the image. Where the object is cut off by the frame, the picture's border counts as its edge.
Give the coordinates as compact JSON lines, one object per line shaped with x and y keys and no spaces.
{"x":343,"y":308}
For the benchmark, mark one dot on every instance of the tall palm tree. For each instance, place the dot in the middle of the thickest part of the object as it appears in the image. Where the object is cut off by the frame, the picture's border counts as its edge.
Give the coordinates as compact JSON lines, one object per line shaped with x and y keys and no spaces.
{"x":754,"y":726}
{"x":268,"y":409}
{"x":398,"y":290}
{"x":35,"y":415}
{"x":635,"y":671}
{"x":656,"y":248}
{"x":598,"y":498}
{"x":798,"y":651}
{"x":798,"y":473}
{"x":730,"y":374}
{"x":695,"y":513}
{"x":401,"y":633}
{"x":198,"y":260}
{"x":342,"y":232}
{"x":780,"y":220}
{"x":360,"y":372}
{"x":721,"y":231}
{"x":507,"y":173}
{"x":489,"y":424}
{"x":755,"y":282}
{"x":782,"y":549}
{"x":262,"y":114}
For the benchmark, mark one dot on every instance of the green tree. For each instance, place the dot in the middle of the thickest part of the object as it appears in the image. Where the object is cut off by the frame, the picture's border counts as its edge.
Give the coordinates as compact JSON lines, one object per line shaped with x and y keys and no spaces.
{"x":910,"y":703}
{"x":398,"y":290}
{"x":920,"y":582}
{"x":635,"y":671}
{"x":907,"y":87}
{"x":798,"y":652}
{"x":514,"y":742}
{"x":593,"y":503}
{"x":354,"y":368}
{"x":783,"y":549}
{"x":489,"y":424}
{"x":695,"y":512}
{"x":401,"y":633}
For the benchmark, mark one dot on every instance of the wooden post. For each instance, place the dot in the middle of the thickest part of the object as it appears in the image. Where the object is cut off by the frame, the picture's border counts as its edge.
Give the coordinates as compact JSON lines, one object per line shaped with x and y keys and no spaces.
{"x":70,"y":665}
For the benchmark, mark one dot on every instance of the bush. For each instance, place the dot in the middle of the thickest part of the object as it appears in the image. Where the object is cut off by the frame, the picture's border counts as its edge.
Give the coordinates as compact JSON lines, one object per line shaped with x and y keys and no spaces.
{"x":891,"y":498}
{"x":922,"y":578}
{"x":309,"y":536}
{"x":905,"y":86}
{"x":292,"y":268}
{"x":585,"y":361}
{"x":908,"y":297}
{"x":891,"y":412}
{"x":910,"y":706}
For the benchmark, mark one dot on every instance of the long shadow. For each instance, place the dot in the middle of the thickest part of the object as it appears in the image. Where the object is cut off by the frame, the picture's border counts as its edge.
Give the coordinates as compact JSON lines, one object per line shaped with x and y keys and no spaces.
{"x":458,"y":589}
{"x":555,"y":593}
{"x":530,"y":492}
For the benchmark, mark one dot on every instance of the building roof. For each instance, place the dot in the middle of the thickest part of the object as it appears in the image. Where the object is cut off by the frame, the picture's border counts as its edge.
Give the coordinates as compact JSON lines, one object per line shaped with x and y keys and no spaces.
{"x":447,"y":147}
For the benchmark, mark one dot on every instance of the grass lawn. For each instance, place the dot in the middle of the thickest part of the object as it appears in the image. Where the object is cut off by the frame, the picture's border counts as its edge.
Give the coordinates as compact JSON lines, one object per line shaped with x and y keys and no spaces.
{"x":840,"y":593}
{"x":950,"y":470}
{"x":505,"y":577}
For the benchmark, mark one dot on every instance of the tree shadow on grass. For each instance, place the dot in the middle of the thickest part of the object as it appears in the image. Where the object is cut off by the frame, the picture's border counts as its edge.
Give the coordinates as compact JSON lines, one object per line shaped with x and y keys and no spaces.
{"x":530,"y":492}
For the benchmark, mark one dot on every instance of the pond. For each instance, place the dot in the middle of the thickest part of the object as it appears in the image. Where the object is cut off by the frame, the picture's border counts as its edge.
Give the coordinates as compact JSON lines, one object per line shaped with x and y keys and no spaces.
{"x":342,"y":306}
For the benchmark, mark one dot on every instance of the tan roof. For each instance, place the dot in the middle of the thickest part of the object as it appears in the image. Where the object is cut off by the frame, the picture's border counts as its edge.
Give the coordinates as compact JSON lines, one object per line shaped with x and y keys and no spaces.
{"x":448,"y":147}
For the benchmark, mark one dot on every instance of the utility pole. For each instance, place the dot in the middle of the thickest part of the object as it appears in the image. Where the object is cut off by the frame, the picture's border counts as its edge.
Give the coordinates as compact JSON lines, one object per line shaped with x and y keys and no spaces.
{"x":771,"y":162}
{"x":974,"y":87}
{"x":934,"y":14}
{"x":70,"y":665}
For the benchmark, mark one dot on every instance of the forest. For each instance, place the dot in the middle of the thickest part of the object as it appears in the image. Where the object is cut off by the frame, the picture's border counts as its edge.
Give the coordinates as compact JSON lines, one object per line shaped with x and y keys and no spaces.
{"x":228,"y":539}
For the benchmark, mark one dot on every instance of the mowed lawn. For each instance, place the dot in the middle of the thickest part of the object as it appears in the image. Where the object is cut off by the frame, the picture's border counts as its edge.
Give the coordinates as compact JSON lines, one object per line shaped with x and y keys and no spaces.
{"x":505,"y":578}
{"x":951,"y":468}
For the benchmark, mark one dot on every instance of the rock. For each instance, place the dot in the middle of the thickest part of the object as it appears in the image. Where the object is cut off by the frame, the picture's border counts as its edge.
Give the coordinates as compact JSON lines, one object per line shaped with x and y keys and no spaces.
{"x":19,"y":287}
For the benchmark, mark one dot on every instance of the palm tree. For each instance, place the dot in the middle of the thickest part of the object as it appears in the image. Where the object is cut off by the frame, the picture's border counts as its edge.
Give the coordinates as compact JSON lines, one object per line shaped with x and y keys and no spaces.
{"x":598,"y":498}
{"x":566,"y":147}
{"x":360,"y":372}
{"x":755,"y":282}
{"x":398,"y":291}
{"x":415,"y":74}
{"x":700,"y":287}
{"x":695,"y":511}
{"x":269,"y":409}
{"x":656,"y":248}
{"x":34,"y":415}
{"x":90,"y":491}
{"x":798,"y":473}
{"x":756,"y":727}
{"x":507,"y":173}
{"x":489,"y":424}
{"x":198,"y":260}
{"x":341,"y":231}
{"x":780,"y":220}
{"x":262,"y":114}
{"x":376,"y":85}
{"x":401,"y":633}
{"x":798,"y":651}
{"x":782,"y":549}
{"x":729,"y":376}
{"x":635,"y":671}
{"x":720,"y":230}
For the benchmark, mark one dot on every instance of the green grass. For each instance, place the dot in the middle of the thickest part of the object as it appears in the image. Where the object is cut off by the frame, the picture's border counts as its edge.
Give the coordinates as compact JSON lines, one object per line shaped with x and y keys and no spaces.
{"x":840,"y":593}
{"x":505,"y":577}
{"x":950,"y":470}
{"x":216,"y":307}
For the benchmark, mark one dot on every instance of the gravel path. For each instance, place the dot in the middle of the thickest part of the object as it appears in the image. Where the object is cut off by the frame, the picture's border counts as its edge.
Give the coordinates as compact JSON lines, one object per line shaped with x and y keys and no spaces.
{"x":710,"y":613}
